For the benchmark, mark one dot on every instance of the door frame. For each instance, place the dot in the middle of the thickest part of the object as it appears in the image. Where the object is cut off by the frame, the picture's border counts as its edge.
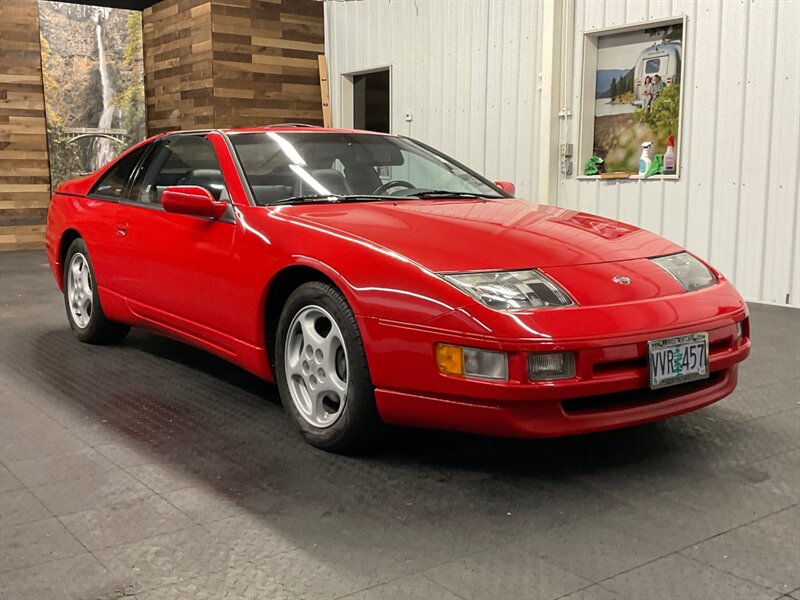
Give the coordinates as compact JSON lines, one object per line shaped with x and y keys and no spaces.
{"x":346,"y":95}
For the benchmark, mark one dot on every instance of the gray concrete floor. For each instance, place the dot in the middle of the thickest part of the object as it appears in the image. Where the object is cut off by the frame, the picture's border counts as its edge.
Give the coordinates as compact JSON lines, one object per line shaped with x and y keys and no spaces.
{"x":154,"y":470}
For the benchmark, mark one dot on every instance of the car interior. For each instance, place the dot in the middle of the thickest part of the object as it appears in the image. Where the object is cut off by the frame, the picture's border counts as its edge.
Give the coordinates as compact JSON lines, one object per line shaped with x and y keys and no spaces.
{"x":334,"y":164}
{"x":184,"y":160}
{"x":285,"y":166}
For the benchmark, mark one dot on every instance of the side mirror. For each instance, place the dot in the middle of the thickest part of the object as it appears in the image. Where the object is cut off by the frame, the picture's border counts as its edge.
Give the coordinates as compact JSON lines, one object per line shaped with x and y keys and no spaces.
{"x":508,"y":187}
{"x":192,"y":200}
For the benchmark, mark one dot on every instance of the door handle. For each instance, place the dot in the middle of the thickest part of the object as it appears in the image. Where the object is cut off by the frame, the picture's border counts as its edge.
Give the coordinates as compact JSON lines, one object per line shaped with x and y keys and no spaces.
{"x":121,"y":230}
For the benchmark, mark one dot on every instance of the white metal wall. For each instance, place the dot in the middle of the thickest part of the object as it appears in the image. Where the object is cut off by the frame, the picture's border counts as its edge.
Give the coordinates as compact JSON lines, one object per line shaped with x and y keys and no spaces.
{"x":465,"y":70}
{"x":468,"y":70}
{"x":736,"y":202}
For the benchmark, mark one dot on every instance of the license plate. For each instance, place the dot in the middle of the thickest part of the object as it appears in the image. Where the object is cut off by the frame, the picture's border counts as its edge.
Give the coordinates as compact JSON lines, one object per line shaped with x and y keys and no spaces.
{"x":678,"y":359}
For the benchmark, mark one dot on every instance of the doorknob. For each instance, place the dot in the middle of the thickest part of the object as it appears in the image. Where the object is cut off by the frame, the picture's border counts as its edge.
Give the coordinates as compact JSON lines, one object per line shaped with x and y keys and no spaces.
{"x":121,"y":230}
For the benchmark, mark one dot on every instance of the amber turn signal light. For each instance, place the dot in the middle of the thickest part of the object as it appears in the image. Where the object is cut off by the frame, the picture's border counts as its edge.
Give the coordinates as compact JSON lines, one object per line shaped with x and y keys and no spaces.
{"x":472,"y":362}
{"x":450,"y":359}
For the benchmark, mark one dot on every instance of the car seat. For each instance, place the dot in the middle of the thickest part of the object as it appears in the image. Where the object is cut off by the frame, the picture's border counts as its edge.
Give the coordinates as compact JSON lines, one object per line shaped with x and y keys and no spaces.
{"x":329,"y":179}
{"x":210,"y":179}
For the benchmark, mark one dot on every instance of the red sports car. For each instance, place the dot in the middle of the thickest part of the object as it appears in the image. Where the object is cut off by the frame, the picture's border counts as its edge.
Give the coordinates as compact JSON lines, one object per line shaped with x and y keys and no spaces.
{"x":375,"y":279}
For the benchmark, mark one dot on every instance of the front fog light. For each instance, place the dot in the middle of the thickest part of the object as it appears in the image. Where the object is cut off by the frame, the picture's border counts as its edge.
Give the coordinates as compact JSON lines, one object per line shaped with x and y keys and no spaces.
{"x":551,"y":365}
{"x":472,"y":362}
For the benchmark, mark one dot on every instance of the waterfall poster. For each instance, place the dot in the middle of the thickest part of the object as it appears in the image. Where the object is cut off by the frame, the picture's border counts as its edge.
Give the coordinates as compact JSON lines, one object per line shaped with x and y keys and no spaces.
{"x":92,"y":65}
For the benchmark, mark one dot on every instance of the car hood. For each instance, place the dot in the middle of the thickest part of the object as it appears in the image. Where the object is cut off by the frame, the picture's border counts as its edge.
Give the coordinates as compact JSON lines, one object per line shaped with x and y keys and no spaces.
{"x":474,"y":235}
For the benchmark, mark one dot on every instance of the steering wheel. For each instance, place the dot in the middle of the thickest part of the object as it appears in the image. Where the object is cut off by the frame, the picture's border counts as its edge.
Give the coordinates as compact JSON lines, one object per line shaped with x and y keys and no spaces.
{"x":393,"y":183}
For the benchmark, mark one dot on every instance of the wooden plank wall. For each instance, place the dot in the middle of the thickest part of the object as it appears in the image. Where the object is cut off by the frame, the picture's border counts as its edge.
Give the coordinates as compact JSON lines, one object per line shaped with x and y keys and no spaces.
{"x":24,"y":169}
{"x":179,"y":86}
{"x":208,"y":63}
{"x":265,"y":61}
{"x":231,"y":63}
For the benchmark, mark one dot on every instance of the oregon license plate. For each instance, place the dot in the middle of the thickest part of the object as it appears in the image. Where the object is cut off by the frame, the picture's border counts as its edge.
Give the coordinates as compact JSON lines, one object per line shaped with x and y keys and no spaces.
{"x":678,"y":359}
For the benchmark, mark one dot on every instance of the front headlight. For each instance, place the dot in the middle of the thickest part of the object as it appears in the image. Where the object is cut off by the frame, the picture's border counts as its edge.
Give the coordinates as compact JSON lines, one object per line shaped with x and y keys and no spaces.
{"x":690,"y":272}
{"x":511,"y":290}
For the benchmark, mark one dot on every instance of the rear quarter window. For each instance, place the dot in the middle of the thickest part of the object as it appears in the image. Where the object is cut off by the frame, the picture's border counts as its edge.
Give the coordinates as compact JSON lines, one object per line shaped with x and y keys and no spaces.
{"x":115,"y":183}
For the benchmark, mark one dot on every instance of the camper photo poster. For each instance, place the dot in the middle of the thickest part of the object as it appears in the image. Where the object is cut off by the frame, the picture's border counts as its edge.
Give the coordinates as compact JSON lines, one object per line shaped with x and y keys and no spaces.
{"x":637,"y":94}
{"x":92,"y":65}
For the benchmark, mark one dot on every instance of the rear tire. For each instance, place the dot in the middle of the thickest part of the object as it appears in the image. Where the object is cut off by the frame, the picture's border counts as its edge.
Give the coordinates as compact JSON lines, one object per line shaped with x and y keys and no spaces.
{"x":82,"y":301}
{"x":321,"y":370}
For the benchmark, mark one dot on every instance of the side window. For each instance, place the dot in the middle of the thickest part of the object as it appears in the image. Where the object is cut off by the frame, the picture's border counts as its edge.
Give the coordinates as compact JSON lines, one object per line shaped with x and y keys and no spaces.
{"x":115,"y":182}
{"x":180,"y":160}
{"x":653,"y":65}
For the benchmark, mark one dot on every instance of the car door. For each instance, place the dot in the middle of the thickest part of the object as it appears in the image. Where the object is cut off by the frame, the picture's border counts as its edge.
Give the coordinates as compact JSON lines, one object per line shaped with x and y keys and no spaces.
{"x":99,"y":226}
{"x":177,"y":273}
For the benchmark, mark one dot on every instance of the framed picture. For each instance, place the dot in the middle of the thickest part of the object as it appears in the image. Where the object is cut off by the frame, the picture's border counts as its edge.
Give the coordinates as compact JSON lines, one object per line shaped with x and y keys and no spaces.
{"x":92,"y":66}
{"x":631,"y":100}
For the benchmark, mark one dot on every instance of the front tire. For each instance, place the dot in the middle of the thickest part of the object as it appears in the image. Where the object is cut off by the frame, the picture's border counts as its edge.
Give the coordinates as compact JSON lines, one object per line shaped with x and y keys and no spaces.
{"x":321,"y":370}
{"x":82,"y":300}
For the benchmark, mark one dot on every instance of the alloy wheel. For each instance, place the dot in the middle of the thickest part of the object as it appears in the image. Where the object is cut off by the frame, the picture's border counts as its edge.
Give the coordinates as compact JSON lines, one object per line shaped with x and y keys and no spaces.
{"x":316,"y":366}
{"x":79,"y":290}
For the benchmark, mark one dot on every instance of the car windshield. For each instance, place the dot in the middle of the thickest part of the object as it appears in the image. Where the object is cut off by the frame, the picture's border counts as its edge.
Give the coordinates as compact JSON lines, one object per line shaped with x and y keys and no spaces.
{"x":286,"y":167}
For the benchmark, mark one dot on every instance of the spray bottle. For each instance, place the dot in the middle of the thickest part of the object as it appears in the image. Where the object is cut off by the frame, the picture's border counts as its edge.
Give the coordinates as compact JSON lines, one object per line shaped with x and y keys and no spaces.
{"x":644,"y":159}
{"x":669,"y":157}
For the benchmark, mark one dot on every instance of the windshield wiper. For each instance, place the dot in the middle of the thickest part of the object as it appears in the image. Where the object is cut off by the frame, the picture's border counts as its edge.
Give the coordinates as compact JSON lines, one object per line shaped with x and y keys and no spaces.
{"x":333,"y":198}
{"x":330,"y":198}
{"x":445,"y":194}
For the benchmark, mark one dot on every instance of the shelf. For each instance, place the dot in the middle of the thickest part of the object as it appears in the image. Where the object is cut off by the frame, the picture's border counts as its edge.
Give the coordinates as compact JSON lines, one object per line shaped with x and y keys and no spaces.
{"x":631,"y":178}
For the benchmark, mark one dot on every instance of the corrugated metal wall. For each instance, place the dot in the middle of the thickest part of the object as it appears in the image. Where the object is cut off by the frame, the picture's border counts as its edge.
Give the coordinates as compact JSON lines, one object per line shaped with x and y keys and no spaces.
{"x":736,"y":202}
{"x":468,"y":70}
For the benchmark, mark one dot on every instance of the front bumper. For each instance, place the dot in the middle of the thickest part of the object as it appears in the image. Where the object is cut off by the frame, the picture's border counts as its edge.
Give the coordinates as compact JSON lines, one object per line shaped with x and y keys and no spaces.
{"x":610,"y":388}
{"x":551,"y":418}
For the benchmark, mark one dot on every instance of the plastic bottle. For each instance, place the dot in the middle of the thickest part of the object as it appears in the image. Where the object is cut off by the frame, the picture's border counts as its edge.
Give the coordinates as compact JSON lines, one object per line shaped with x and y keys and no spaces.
{"x":644,"y":159}
{"x":669,"y":157}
